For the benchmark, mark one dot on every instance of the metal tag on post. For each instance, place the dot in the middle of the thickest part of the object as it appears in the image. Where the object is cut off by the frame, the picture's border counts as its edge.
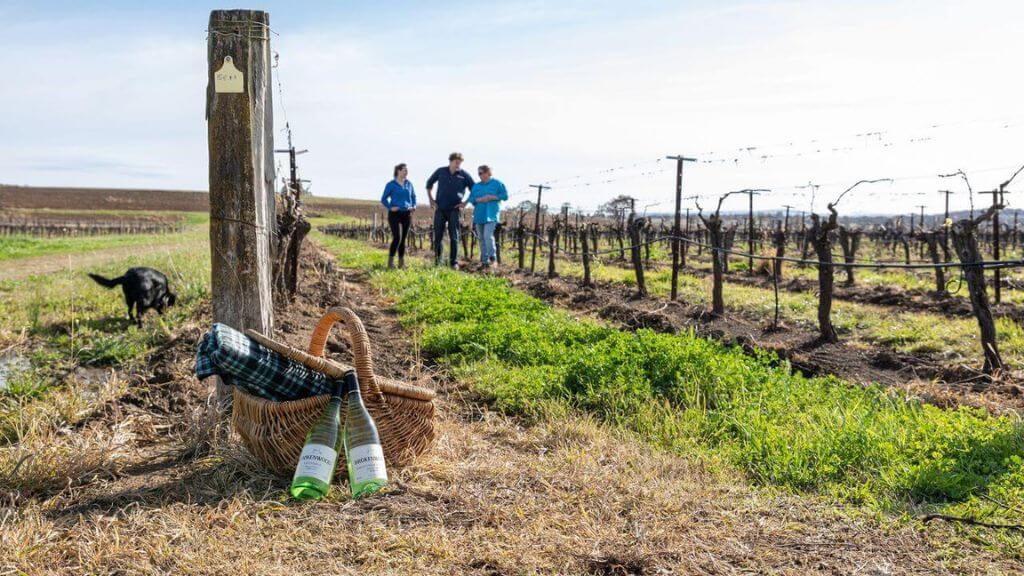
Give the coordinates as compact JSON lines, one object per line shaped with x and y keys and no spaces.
{"x":228,"y":79}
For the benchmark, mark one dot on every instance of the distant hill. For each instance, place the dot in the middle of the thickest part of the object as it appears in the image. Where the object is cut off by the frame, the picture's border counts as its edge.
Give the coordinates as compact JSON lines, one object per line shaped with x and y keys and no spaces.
{"x":57,"y":198}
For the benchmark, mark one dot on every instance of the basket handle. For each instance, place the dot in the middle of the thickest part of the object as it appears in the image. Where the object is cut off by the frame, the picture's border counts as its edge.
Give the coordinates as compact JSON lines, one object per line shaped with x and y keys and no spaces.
{"x":362,"y":356}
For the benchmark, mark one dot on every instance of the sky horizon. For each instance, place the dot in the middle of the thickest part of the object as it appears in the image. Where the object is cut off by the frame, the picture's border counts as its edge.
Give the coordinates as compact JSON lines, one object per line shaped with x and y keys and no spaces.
{"x":587,"y":97}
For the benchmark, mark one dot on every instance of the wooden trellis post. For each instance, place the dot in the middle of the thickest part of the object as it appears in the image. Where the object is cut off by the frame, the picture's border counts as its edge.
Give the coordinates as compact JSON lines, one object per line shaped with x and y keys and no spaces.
{"x":675,"y":227}
{"x":635,"y":225}
{"x":586,"y":255}
{"x":241,"y":144}
{"x":536,"y":224}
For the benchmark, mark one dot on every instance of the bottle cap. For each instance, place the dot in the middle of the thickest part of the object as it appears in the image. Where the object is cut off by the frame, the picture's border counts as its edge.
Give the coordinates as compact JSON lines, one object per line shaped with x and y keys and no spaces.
{"x":351,"y":382}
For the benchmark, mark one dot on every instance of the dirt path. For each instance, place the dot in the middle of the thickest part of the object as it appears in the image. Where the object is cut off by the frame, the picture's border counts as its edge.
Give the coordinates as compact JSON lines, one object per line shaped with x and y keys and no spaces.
{"x":494,"y":495}
{"x":22,"y":268}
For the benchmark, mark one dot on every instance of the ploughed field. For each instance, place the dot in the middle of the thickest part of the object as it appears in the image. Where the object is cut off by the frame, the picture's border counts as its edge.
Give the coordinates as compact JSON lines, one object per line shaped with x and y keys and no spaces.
{"x":580,"y":431}
{"x":86,"y":200}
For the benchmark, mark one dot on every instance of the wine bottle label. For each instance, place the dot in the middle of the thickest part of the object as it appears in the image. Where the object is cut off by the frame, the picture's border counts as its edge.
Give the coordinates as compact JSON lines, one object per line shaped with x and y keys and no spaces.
{"x":367,"y":463}
{"x":317,"y":461}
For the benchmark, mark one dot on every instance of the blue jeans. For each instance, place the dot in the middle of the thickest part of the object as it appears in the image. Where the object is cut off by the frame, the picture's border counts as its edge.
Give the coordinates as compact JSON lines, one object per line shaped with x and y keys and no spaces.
{"x":446,"y":219}
{"x":485,"y":232}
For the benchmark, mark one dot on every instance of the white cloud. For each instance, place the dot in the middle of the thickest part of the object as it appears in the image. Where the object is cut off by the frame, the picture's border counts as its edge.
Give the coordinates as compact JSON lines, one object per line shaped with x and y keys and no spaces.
{"x":543,"y":91}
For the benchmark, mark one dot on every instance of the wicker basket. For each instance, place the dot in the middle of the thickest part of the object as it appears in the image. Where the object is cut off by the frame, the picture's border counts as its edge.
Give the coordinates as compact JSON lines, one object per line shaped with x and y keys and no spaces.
{"x":276,"y":431}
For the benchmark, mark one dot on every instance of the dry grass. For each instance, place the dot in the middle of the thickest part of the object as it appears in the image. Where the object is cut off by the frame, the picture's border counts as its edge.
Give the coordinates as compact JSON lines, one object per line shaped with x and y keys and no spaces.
{"x":564,"y":496}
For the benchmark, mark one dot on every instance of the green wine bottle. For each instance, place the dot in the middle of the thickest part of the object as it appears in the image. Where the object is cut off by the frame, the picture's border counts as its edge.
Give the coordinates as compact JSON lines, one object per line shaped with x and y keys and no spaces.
{"x":320,"y":454}
{"x":367,"y":472}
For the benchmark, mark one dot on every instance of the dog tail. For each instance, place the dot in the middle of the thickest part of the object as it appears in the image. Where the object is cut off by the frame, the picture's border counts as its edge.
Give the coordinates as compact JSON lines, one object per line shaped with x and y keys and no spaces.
{"x":107,"y":282}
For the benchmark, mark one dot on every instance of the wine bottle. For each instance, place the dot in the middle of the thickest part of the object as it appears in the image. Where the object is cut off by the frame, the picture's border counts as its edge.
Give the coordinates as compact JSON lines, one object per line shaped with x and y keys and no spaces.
{"x":320,"y":454}
{"x":367,"y":472}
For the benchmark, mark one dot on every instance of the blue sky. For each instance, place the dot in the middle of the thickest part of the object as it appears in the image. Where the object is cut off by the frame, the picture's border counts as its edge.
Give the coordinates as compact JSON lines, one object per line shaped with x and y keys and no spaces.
{"x":768,"y":94}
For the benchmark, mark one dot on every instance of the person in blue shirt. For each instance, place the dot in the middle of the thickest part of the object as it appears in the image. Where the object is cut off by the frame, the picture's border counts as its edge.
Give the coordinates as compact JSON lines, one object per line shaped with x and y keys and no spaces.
{"x":486,"y":198}
{"x":452,"y":182}
{"x":399,"y":199}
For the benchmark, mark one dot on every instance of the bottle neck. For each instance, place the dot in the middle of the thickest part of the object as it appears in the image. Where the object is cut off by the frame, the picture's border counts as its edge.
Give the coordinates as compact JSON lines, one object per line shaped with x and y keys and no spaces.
{"x":338,"y":390}
{"x":352,"y":387}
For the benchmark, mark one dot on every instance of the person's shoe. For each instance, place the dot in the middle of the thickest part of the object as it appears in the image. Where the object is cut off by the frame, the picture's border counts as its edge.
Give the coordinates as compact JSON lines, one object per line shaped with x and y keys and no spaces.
{"x":455,"y":265}
{"x":391,"y":262}
{"x":401,"y":262}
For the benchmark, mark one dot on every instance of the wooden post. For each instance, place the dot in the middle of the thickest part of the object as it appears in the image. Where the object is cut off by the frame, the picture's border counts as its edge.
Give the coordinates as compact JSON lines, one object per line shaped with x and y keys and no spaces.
{"x":779,"y":239}
{"x":945,"y":229}
{"x":997,"y":200}
{"x":750,"y":228}
{"x":675,"y":227}
{"x":686,"y":235}
{"x":565,"y":224}
{"x":750,"y":234}
{"x":536,"y":225}
{"x":521,"y":244}
{"x":552,"y":245}
{"x":586,"y":255}
{"x":776,"y":265}
{"x":241,"y":144}
{"x":635,"y":224}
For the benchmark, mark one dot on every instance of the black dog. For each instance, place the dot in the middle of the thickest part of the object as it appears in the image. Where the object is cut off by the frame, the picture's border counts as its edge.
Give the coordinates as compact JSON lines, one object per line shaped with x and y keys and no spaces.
{"x":144,"y":288}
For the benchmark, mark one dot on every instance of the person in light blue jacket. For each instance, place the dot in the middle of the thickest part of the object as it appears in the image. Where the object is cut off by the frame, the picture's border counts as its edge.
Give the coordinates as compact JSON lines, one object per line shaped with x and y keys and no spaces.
{"x":399,"y":199}
{"x":486,"y":198}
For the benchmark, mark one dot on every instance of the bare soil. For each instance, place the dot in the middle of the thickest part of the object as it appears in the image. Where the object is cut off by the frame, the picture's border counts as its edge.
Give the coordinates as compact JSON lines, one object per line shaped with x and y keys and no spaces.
{"x":79,"y":199}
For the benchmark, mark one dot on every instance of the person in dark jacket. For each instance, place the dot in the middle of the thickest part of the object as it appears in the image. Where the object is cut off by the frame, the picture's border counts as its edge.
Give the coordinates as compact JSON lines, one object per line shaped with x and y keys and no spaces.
{"x":399,"y":199}
{"x":452,"y":183}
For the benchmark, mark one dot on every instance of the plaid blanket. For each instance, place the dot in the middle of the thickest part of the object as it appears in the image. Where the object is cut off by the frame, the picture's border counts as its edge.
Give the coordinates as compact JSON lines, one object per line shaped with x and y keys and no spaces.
{"x":241,"y":362}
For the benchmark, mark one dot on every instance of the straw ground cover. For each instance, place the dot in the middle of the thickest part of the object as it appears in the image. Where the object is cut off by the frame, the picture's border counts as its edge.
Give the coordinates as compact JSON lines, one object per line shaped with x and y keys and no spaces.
{"x":692,"y":395}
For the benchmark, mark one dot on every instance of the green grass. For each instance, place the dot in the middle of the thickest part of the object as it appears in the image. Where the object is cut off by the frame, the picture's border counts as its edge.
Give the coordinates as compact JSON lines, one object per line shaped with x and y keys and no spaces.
{"x":71,"y":312}
{"x":62,"y":320}
{"x":23,"y":246}
{"x":331,"y":218}
{"x":685,"y":393}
